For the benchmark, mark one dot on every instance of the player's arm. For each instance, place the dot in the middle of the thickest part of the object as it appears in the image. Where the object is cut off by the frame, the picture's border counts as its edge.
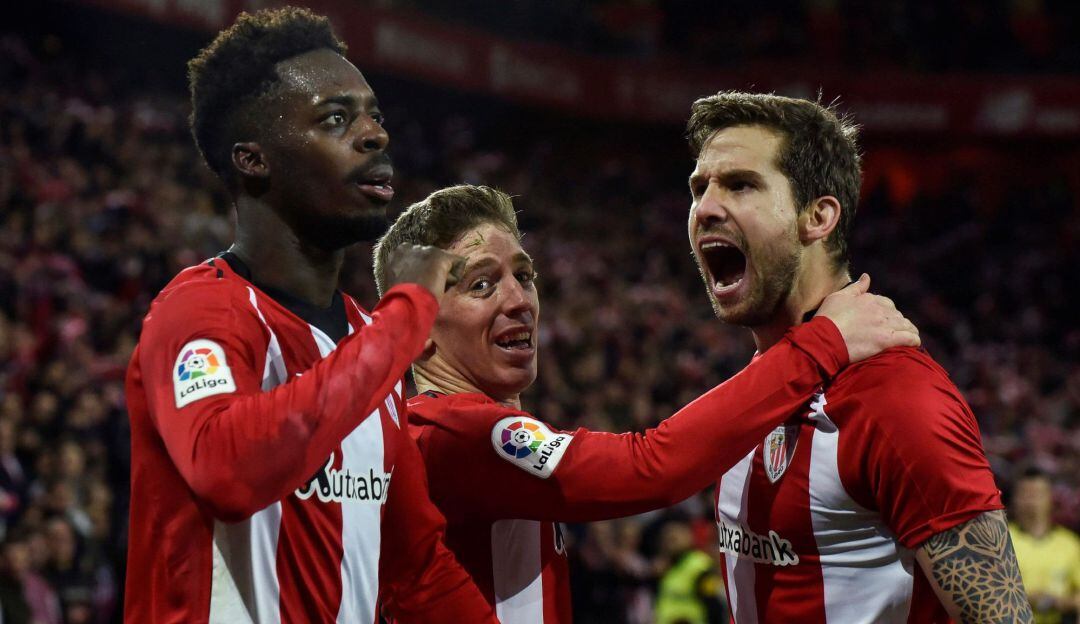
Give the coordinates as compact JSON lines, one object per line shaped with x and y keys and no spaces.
{"x":599,"y":475}
{"x":525,"y":469}
{"x":420,"y":580}
{"x":603,"y":475}
{"x":973,"y":570}
{"x":918,"y":460}
{"x":586,"y":475}
{"x":237,"y":447}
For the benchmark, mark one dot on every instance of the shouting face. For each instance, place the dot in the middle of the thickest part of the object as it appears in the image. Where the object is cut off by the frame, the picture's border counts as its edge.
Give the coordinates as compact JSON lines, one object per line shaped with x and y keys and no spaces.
{"x":743,"y":225}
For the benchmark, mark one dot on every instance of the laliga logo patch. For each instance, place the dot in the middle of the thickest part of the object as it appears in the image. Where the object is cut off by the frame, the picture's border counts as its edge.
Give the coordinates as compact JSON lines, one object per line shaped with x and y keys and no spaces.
{"x":201,"y":371}
{"x":197,"y":363}
{"x":521,"y":438}
{"x":529,"y":444}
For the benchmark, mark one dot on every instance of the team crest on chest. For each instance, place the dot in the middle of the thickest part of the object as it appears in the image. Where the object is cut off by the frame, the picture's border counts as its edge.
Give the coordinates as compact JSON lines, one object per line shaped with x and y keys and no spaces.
{"x":778,"y":449}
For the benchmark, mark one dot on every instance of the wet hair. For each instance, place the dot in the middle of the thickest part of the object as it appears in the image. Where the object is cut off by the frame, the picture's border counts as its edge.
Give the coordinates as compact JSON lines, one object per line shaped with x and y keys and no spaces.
{"x":818,"y":153}
{"x":442,"y":218}
{"x":238,"y":69}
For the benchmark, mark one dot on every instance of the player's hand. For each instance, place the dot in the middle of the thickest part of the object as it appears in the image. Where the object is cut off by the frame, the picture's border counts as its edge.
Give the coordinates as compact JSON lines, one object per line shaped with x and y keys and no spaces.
{"x":869,"y":323}
{"x":431,"y":267}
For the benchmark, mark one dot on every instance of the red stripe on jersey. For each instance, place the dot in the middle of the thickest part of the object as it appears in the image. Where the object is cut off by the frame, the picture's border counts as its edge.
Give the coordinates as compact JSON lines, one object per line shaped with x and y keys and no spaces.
{"x":788,"y":497}
{"x":310,"y":548}
{"x":309,"y":555}
{"x":555,"y":574}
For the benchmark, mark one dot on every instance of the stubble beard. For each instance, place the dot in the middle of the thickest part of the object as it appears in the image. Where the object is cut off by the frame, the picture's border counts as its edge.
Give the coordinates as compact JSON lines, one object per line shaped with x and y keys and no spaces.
{"x":772,"y":283}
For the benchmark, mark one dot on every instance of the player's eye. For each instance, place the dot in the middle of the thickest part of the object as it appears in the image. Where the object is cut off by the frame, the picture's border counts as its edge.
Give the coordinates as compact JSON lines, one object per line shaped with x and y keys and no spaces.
{"x":526,"y":277}
{"x":335,"y":119}
{"x":378,"y":118}
{"x":480,"y":285}
{"x":742,"y":185}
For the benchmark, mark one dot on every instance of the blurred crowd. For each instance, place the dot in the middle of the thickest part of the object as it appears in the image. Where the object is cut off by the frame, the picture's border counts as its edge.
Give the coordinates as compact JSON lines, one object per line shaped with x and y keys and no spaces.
{"x":962,"y":35}
{"x":103,"y":199}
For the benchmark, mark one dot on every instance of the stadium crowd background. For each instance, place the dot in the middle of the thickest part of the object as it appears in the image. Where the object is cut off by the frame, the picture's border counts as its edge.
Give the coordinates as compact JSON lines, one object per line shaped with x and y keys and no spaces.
{"x":103,"y":198}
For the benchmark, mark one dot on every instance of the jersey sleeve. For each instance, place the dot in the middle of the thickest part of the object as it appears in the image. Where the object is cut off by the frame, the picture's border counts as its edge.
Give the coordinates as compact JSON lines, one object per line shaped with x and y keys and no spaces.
{"x":916,"y":454}
{"x":420,"y":580}
{"x":202,"y":354}
{"x":521,"y":468}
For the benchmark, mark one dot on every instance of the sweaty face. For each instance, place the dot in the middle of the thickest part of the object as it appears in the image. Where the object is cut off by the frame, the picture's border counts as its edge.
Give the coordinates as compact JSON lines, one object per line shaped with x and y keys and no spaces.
{"x":743,"y":225}
{"x":486,"y":330}
{"x":325,"y":146}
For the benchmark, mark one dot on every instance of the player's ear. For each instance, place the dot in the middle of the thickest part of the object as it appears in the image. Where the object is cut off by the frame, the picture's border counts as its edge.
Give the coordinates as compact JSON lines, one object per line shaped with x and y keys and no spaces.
{"x":250,"y":160}
{"x":819,"y":219}
{"x":428,"y":352}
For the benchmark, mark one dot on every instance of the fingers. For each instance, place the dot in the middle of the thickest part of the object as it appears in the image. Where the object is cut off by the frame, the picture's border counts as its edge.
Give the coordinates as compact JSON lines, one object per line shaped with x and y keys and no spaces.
{"x":885,"y":302}
{"x":861,"y":285}
{"x":457,"y":270}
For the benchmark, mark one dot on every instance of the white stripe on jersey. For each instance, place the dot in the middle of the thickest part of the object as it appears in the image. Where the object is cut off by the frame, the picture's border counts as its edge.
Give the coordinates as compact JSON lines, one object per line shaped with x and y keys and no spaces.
{"x":361,"y":450}
{"x":734,"y":490}
{"x":360,"y":526}
{"x":244,"y":586}
{"x":515,"y":566}
{"x":867,"y":574}
{"x":274,"y":372}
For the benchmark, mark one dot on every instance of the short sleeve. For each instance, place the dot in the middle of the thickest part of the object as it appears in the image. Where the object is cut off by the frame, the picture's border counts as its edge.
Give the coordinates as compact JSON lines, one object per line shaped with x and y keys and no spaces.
{"x":914,"y":450}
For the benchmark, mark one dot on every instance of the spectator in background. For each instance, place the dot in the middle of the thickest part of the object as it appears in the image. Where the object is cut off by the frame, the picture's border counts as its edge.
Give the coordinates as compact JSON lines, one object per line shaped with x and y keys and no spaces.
{"x":690,"y":588}
{"x":1048,"y":554}
{"x":25,"y":597}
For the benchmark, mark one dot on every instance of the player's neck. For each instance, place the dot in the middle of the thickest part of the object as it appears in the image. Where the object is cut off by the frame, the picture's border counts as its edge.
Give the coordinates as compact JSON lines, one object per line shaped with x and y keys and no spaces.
{"x":279,"y":258}
{"x":815,"y":281}
{"x":434,"y":375}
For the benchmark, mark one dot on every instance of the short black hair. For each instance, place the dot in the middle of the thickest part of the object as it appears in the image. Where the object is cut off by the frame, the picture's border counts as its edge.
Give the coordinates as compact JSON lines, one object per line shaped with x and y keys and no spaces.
{"x":238,"y":67}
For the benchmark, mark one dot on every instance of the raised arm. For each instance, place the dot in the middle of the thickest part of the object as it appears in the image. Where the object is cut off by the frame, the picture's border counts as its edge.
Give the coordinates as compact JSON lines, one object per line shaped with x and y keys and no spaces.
{"x":220,"y":435}
{"x":973,"y":570}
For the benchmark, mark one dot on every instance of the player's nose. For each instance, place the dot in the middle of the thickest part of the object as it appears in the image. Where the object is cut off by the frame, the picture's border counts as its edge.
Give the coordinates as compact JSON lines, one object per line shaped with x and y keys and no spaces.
{"x":517,"y":301}
{"x":372,"y":136}
{"x":711,"y":209}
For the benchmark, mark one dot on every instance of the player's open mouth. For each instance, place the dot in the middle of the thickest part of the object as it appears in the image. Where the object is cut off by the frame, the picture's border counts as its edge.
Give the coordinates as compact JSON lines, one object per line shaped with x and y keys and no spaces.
{"x":380,"y":191}
{"x":515,"y":340}
{"x":726,"y":264}
{"x":375,"y":183}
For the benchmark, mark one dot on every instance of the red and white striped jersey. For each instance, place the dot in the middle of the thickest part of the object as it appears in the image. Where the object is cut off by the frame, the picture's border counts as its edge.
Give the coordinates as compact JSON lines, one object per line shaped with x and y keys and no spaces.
{"x":505,"y":480}
{"x":820,"y":522}
{"x":272,"y":477}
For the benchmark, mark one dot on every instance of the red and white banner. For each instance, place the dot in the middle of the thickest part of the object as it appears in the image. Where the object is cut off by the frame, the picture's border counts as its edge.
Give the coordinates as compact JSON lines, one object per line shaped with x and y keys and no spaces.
{"x":419,"y":47}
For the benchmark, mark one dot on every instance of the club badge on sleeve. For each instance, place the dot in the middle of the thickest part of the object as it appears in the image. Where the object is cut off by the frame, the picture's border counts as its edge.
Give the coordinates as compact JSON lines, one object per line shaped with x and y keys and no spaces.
{"x":529,"y":444}
{"x":201,"y":371}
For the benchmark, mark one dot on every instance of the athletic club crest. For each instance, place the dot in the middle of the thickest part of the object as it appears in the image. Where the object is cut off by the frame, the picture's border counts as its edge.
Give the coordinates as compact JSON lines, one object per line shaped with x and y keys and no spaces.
{"x":778,"y":448}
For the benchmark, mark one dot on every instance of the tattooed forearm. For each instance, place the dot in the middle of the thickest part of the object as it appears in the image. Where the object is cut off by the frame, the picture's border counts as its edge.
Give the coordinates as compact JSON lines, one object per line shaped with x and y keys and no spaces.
{"x":974,"y":568}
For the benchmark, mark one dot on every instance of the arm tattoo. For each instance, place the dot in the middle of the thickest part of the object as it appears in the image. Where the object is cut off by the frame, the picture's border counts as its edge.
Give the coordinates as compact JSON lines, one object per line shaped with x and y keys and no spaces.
{"x":975,"y":565}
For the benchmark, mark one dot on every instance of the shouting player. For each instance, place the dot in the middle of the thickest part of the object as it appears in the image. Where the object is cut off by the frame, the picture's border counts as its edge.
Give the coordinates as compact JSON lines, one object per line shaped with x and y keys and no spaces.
{"x":874,"y":502}
{"x":505,"y":479}
{"x":272,"y":479}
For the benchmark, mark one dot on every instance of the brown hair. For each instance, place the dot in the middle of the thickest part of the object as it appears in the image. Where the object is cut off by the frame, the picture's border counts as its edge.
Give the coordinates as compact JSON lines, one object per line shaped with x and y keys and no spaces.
{"x":443,"y":217}
{"x":239,"y":67}
{"x":819,"y":151}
